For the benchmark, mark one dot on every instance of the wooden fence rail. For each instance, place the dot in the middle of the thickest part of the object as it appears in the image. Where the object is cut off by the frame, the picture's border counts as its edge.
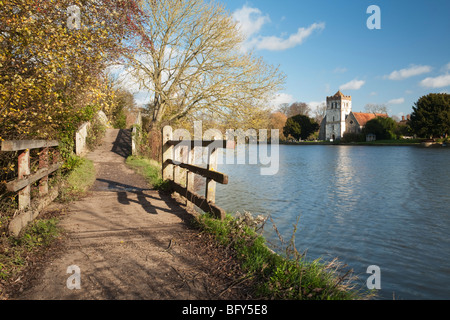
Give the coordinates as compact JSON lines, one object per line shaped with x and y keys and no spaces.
{"x":179,"y":154}
{"x":22,"y":184}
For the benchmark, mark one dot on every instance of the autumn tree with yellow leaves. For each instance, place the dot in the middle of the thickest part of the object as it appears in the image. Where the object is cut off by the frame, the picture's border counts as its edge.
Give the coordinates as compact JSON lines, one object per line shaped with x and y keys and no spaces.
{"x":51,"y":76}
{"x":52,"y":66}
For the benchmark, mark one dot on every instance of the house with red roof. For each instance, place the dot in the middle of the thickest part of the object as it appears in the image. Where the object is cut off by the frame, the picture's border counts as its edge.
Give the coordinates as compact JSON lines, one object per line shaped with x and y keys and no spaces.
{"x":356,"y":121}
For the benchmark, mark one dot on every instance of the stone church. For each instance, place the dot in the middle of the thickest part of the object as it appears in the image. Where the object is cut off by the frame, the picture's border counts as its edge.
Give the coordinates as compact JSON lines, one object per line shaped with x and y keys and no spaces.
{"x":339,"y":118}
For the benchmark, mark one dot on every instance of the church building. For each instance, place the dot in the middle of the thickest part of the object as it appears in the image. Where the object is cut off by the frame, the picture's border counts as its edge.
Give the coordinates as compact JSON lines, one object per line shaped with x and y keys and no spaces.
{"x":339,"y":107}
{"x":339,"y":118}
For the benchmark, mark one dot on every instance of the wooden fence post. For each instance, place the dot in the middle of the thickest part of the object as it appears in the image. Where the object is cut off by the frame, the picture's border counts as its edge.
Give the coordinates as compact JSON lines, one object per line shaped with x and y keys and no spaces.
{"x":43,"y":163}
{"x":212,"y":166}
{"x":167,"y":169}
{"x":190,"y":178}
{"x":23,"y":172}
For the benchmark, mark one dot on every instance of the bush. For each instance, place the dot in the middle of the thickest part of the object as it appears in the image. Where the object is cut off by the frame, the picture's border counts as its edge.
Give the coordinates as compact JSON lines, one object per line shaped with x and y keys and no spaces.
{"x":431,"y":116}
{"x":300,"y":126}
{"x":383,"y":127}
{"x":353,"y":137}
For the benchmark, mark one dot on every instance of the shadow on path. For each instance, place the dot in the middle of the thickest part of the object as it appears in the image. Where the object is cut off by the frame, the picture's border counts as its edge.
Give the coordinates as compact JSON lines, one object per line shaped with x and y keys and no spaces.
{"x":122,"y":144}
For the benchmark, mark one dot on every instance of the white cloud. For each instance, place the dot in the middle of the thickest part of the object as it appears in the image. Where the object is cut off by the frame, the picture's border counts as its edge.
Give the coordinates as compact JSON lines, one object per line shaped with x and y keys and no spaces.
{"x":142,"y":98}
{"x":396,"y":101}
{"x":279,"y":99}
{"x":314,"y":104}
{"x":408,"y":72}
{"x":250,"y":20}
{"x":437,"y":82}
{"x":340,"y":70}
{"x":447,"y":67}
{"x":275,"y":43}
{"x":352,"y":85}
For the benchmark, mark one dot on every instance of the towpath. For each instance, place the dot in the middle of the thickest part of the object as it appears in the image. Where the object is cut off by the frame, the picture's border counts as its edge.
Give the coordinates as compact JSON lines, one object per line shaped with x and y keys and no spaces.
{"x":129,"y":241}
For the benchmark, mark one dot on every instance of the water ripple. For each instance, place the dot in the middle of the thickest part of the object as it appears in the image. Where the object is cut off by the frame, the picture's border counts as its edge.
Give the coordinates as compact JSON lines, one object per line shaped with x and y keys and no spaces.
{"x":386,"y":206}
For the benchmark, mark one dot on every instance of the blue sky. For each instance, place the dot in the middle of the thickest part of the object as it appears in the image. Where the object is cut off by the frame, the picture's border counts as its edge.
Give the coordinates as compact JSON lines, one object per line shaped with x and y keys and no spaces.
{"x":324,"y":45}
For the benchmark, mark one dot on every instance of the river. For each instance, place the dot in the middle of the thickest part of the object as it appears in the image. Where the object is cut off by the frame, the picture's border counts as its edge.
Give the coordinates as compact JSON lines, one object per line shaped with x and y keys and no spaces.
{"x":366,"y":205}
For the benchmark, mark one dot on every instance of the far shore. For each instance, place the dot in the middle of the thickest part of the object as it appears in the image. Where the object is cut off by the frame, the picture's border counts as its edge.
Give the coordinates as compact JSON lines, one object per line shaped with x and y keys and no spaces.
{"x":395,"y":143}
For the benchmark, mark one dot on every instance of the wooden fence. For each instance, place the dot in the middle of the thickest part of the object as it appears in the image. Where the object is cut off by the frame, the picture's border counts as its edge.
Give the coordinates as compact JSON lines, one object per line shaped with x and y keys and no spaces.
{"x":22,"y":184}
{"x":179,"y":154}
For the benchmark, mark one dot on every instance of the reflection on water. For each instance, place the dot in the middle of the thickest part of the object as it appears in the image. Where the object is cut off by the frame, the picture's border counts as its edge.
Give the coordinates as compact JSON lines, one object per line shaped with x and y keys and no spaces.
{"x":385,"y":206}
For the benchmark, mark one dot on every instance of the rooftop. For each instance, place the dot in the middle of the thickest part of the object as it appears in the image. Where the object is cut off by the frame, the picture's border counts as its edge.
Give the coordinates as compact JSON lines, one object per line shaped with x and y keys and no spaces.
{"x":339,"y":94}
{"x":363,"y":117}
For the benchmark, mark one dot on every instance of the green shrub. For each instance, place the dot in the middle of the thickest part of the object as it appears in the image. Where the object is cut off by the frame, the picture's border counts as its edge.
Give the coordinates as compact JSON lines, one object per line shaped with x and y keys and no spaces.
{"x":353,"y":137}
{"x":39,"y":233}
{"x":15,"y":251}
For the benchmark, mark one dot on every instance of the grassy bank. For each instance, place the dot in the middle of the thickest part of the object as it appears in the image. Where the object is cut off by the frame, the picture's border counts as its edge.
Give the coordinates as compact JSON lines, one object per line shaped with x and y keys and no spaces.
{"x":273,"y":276}
{"x":149,"y":169}
{"x":78,"y":181}
{"x":398,"y":142}
{"x":18,"y":253}
{"x":270,"y":275}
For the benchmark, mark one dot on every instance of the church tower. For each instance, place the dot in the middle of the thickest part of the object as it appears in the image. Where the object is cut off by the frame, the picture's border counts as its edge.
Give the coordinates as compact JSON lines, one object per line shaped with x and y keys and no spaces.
{"x":339,"y":107}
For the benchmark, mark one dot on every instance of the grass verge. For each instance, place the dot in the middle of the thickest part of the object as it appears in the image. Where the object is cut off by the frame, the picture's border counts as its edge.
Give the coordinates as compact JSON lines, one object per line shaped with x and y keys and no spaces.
{"x":20,"y":254}
{"x":149,"y":169}
{"x":391,"y":142}
{"x":277,"y":277}
{"x":78,"y":181}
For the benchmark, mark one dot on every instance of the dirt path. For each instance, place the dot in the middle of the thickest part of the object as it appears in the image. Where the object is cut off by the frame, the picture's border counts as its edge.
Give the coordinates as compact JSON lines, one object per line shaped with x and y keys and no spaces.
{"x":129,"y":242}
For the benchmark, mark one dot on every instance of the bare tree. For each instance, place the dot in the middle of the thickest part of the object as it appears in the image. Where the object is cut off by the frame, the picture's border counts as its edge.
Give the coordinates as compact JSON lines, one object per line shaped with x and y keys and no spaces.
{"x":284,"y":108}
{"x":376,"y":108}
{"x":299,"y":108}
{"x":295,"y":109}
{"x":319,"y":112}
{"x":195,"y":63}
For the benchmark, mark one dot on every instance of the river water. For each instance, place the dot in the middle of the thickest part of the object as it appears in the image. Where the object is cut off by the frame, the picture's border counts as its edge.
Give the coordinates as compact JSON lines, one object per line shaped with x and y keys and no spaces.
{"x":366,"y":205}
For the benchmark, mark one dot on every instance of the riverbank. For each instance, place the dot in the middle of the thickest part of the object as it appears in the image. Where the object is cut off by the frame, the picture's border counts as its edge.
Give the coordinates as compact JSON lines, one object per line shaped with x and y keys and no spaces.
{"x":266,"y":274}
{"x":280,"y":277}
